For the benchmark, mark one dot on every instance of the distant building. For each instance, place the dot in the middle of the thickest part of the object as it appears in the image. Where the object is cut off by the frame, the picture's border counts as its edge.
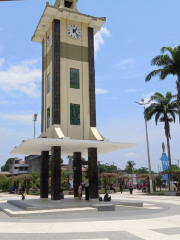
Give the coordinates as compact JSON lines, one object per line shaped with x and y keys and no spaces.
{"x":18,"y":167}
{"x":34,"y":163}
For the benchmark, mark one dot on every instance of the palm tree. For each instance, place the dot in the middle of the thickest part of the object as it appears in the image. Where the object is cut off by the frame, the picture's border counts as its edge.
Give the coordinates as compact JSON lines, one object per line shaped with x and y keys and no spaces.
{"x":130,"y":167}
{"x":164,"y":110}
{"x":169,"y":65}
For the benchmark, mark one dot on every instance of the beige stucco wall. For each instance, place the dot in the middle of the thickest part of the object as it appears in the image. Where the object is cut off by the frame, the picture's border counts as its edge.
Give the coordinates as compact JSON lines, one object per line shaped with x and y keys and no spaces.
{"x":69,"y":95}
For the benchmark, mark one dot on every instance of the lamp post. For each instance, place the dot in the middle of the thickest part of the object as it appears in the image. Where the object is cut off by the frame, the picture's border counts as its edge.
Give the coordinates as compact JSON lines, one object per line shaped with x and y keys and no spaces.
{"x":178,"y":161}
{"x":147,"y":142}
{"x":35,"y":120}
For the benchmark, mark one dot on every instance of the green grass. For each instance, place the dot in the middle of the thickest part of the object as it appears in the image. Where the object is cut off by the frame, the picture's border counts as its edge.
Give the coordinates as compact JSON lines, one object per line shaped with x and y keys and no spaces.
{"x":34,"y":193}
{"x":158,"y":193}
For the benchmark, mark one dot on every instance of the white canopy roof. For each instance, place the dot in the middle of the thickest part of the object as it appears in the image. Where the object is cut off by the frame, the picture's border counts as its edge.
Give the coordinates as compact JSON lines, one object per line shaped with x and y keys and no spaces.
{"x":35,"y":146}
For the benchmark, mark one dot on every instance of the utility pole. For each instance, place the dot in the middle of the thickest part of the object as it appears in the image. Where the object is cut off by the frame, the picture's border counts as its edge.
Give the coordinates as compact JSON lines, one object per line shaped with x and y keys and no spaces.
{"x":35,"y":120}
{"x":147,"y":143}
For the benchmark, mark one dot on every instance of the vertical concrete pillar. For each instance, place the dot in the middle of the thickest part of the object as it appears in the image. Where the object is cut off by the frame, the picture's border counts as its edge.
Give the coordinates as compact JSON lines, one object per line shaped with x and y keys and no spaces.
{"x":92,"y":94}
{"x":44,"y":174}
{"x":56,"y":76}
{"x":77,"y":172}
{"x":56,"y":173}
{"x":93,"y":173}
{"x":70,"y":169}
{"x":42,"y":94}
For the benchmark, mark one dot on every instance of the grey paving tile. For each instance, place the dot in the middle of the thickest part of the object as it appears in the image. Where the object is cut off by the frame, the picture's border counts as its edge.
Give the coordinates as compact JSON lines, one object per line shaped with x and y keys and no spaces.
{"x":168,"y":231}
{"x":121,"y":235}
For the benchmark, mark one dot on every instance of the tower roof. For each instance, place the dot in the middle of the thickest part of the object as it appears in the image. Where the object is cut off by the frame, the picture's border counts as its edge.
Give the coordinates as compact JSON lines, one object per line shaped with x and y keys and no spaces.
{"x":58,"y":11}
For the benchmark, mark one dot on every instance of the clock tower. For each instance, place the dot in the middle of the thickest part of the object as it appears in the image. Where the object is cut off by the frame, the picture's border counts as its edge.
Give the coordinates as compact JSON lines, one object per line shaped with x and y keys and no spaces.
{"x":68,"y":73}
{"x":68,"y":115}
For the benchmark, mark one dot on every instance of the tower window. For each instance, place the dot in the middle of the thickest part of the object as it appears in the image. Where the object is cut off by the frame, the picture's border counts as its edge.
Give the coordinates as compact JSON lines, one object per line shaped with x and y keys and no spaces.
{"x":74,"y":78}
{"x":67,"y":4}
{"x":48,"y":117}
{"x":48,"y":83}
{"x":74,"y":114}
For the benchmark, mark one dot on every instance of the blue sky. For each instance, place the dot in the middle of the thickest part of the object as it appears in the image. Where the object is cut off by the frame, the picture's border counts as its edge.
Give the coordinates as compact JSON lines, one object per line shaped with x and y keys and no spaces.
{"x":133,"y":34}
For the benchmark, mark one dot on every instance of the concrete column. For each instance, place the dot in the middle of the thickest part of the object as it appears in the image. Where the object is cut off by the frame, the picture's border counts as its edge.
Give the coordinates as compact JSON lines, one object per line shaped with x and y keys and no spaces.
{"x":92,"y":94}
{"x":93,"y":174}
{"x":56,"y":173}
{"x":70,"y":169}
{"x":77,"y":172}
{"x":44,"y":174}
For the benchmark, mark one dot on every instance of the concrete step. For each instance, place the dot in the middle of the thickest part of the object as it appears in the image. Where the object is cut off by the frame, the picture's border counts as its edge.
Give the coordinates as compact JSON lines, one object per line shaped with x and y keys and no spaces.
{"x":14,"y":211}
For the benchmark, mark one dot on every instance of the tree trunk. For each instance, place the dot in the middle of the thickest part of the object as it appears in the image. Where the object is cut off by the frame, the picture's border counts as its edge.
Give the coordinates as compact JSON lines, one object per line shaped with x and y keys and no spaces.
{"x":169,"y":156}
{"x":167,"y":133}
{"x":178,"y":95}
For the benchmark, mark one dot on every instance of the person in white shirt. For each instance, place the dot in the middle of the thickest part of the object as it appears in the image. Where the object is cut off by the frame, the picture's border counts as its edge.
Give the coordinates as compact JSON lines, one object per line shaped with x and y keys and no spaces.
{"x":86,"y":183}
{"x":79,"y":191}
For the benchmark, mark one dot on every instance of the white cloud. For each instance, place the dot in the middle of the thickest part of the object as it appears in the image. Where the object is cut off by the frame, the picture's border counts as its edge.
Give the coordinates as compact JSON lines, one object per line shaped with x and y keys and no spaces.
{"x":147,"y":97}
{"x":101,"y":91}
{"x":131,"y":155}
{"x":24,"y":118}
{"x":22,"y":77}
{"x":98,"y":39}
{"x":131,"y":90}
{"x":126,"y":64}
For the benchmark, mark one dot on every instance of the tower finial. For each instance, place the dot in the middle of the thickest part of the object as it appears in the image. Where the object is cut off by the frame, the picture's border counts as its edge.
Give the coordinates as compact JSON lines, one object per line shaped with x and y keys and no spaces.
{"x":71,"y":4}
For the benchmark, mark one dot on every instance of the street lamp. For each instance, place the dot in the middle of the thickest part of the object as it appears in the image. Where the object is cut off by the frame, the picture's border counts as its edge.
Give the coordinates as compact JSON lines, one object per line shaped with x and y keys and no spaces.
{"x":178,"y":161}
{"x":35,"y":120}
{"x":147,"y":142}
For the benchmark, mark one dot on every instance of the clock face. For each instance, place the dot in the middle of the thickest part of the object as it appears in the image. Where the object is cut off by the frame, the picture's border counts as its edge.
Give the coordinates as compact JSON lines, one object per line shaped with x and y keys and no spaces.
{"x":74,"y":31}
{"x":48,"y":39}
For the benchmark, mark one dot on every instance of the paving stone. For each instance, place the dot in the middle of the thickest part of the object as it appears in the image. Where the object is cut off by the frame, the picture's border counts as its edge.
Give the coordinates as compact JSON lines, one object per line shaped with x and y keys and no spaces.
{"x":168,"y":231}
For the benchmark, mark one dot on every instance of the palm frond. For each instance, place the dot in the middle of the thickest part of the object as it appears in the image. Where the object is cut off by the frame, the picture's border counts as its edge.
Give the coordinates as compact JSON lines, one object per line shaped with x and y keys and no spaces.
{"x":169,"y":49}
{"x":173,"y":115}
{"x":164,"y":73}
{"x":162,"y":60}
{"x":157,"y":116}
{"x":152,"y":74}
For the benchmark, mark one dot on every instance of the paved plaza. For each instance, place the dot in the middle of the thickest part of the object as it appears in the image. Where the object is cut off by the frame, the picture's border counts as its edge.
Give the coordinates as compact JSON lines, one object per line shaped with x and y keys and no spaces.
{"x":161,"y":220}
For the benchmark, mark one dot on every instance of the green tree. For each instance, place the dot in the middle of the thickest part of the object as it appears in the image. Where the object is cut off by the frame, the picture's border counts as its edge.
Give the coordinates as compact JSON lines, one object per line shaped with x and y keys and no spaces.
{"x":175,"y":168}
{"x":35,"y":180}
{"x":164,"y":110}
{"x":142,"y":170}
{"x":5,"y":168}
{"x":169,"y":65}
{"x":5,"y":182}
{"x":159,"y":181}
{"x":130,"y":167}
{"x":105,"y":168}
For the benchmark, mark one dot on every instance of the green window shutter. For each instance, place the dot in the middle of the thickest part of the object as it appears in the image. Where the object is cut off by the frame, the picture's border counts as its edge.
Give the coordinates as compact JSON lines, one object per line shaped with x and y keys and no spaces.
{"x":74,"y":78}
{"x":74,"y":114}
{"x":48,"y":83}
{"x":48,"y":117}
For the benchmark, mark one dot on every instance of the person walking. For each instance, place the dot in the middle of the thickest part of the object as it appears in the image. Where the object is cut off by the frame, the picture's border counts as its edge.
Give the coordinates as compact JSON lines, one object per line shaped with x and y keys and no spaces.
{"x":131,"y":188}
{"x":79,"y":191}
{"x":121,"y":187}
{"x":86,"y":183}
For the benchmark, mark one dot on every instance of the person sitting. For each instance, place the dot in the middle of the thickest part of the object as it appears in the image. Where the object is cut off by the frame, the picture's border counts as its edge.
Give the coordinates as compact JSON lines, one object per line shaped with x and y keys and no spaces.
{"x":107,"y":198}
{"x":112,"y":188}
{"x":100,"y":198}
